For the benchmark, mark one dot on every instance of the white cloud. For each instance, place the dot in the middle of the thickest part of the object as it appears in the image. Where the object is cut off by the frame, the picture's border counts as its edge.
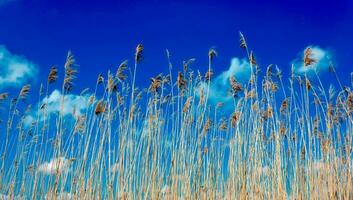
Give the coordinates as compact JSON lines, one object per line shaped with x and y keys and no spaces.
{"x":323,"y":58}
{"x":15,"y":70}
{"x":240,"y":69}
{"x":74,"y":105}
{"x":220,"y":86}
{"x":60,"y":165}
{"x":71,"y":102}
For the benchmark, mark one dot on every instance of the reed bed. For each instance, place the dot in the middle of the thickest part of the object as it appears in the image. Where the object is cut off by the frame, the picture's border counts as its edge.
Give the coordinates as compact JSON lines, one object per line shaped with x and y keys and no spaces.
{"x":283,"y":139}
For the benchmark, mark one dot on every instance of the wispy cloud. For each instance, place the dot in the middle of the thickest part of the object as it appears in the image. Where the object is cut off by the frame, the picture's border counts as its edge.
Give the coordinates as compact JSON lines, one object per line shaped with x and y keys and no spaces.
{"x":239,"y":68}
{"x":74,"y":105}
{"x":15,"y":70}
{"x":60,"y":165}
{"x":220,"y":86}
{"x":322,"y":58}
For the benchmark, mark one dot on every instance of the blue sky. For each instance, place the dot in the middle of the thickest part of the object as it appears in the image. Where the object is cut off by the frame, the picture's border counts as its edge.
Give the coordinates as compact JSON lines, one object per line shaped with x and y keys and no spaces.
{"x":102,"y":34}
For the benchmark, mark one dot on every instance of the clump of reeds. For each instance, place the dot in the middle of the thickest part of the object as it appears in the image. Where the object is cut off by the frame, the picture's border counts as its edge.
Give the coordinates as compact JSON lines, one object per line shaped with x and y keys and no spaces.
{"x":169,"y":141}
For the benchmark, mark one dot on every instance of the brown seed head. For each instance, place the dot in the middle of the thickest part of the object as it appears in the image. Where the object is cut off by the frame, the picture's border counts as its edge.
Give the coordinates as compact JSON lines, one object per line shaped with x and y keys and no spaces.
{"x":138,"y":53}
{"x":212,"y":53}
{"x":208,"y":75}
{"x":234,"y":118}
{"x":53,"y":75}
{"x":187,"y":104}
{"x":243,"y":44}
{"x":308,"y":60}
{"x":120,"y":72}
{"x":24,"y":91}
{"x":3,"y":96}
{"x":100,"y":108}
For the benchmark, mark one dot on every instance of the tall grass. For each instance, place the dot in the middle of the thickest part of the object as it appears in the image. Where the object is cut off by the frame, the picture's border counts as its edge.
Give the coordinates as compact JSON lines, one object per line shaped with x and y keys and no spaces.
{"x":284,"y":139}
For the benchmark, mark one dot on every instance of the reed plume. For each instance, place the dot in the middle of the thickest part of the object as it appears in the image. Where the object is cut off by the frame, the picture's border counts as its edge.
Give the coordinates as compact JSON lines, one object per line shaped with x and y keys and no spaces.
{"x":53,"y":75}
{"x":4,"y":96}
{"x":138,"y":53}
{"x":100,"y":79}
{"x":120,"y":72}
{"x":235,"y":86}
{"x":100,"y":108}
{"x":284,"y":106}
{"x":234,"y":118}
{"x":252,"y":58}
{"x":208,"y":75}
{"x":187,"y":104}
{"x":212,"y":53}
{"x":24,"y":91}
{"x":156,"y":84}
{"x":187,"y":63}
{"x":70,"y":72}
{"x":308,"y":57}
{"x":112,"y":85}
{"x":181,"y":82}
{"x":243,"y":44}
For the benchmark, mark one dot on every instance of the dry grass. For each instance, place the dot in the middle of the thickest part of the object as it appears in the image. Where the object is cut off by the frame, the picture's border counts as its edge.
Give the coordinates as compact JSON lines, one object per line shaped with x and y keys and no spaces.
{"x":169,"y":142}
